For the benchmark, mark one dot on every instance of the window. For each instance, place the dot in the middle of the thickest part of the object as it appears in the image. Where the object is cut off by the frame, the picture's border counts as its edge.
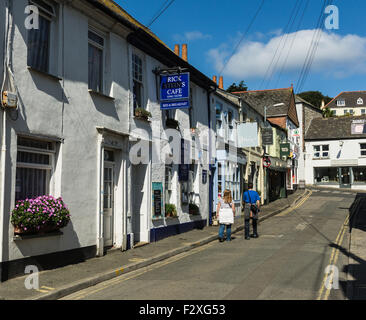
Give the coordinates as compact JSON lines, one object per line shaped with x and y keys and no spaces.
{"x":326,"y":175}
{"x":333,"y":112}
{"x":341,"y":103}
{"x":35,"y":160}
{"x":360,"y":101}
{"x":363,"y":111}
{"x":359,"y":174}
{"x":95,"y":68}
{"x":168,"y":182}
{"x":351,"y":111}
{"x":345,"y":112}
{"x":193,"y":169}
{"x":232,"y":180}
{"x":321,"y":151}
{"x":137,"y":76}
{"x":219,"y":179}
{"x":192,"y":122}
{"x":39,"y":40}
{"x":230,"y":122}
{"x":219,"y":118}
{"x":363,"y":149}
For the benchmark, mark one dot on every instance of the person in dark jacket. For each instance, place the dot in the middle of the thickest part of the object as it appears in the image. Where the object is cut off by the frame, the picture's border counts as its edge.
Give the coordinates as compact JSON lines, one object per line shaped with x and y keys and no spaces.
{"x":250,"y":197}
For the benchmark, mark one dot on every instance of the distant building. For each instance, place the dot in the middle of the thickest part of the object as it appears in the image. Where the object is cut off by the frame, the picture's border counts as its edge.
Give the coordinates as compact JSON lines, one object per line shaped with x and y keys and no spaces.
{"x":348,"y":103}
{"x":336,"y":152}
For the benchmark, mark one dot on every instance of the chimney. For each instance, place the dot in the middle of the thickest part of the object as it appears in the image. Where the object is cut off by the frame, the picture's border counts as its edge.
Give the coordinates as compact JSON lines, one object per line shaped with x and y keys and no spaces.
{"x":214,"y":79}
{"x":184,"y":52}
{"x":176,"y":50}
{"x":323,"y":104}
{"x":221,"y":83}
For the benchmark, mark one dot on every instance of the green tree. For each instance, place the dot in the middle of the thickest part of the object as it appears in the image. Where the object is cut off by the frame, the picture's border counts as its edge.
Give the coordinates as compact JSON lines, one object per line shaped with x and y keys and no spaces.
{"x":327,"y":113}
{"x":315,"y":97}
{"x":235,"y":88}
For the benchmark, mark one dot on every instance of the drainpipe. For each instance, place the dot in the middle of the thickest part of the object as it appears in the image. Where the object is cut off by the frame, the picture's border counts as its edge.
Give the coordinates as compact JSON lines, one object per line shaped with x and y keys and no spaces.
{"x":209,"y":218}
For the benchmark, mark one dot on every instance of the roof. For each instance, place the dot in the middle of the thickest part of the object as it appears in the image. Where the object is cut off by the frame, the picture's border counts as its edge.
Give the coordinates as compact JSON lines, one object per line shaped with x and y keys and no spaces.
{"x":144,"y":39}
{"x":333,"y":128}
{"x":260,"y":99}
{"x":350,"y":97}
{"x":298,"y":99}
{"x":230,"y":98}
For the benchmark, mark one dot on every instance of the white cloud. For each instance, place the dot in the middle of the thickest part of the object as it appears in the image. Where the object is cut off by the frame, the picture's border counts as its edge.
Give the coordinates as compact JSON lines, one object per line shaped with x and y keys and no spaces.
{"x":337,"y":56}
{"x":191,"y":36}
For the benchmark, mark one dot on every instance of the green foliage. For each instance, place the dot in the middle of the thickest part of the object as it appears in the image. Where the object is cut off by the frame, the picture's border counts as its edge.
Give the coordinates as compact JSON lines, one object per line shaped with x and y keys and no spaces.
{"x":32,"y":214}
{"x":142,"y":113}
{"x":170,"y":210}
{"x":315,"y":98}
{"x":235,"y":88}
{"x":327,"y":113}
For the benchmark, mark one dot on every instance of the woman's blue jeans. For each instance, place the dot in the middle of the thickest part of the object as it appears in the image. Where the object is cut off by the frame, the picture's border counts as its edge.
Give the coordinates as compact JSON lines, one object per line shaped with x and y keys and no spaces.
{"x":228,"y":231}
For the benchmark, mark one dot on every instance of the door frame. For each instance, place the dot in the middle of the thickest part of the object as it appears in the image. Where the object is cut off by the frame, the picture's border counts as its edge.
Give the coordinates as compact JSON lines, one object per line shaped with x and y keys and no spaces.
{"x":110,"y":165}
{"x":341,"y":184}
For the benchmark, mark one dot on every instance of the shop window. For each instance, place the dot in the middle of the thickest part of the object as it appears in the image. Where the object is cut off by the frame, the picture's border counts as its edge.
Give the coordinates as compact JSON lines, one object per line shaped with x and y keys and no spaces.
{"x":359,"y":174}
{"x":321,"y":151}
{"x":35,"y":166}
{"x":363,"y":149}
{"x":326,"y":175}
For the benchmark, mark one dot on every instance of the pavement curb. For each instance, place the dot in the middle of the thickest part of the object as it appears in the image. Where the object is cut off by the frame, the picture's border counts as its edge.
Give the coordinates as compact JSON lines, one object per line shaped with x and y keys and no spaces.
{"x":101,"y":277}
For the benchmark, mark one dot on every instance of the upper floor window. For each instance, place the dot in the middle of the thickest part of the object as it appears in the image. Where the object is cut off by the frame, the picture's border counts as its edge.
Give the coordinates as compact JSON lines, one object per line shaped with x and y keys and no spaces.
{"x":137,"y":77}
{"x":39,"y":40}
{"x":360,"y":101}
{"x":219,"y":107}
{"x":96,"y":58}
{"x":192,"y":120}
{"x":341,"y":103}
{"x":321,"y":151}
{"x":363,"y":149}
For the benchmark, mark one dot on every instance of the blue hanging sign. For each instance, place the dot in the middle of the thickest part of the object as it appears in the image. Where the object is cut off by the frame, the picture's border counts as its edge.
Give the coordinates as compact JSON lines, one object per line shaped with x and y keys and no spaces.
{"x":174,"y":91}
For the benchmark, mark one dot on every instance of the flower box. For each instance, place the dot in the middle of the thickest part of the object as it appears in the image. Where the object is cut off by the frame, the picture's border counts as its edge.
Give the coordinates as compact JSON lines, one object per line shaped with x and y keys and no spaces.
{"x":41,"y":215}
{"x":142,"y":114}
{"x":172,"y":123}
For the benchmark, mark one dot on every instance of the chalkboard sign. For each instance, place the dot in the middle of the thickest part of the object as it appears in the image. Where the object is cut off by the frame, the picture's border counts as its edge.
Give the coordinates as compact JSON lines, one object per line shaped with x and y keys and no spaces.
{"x":157,"y":199}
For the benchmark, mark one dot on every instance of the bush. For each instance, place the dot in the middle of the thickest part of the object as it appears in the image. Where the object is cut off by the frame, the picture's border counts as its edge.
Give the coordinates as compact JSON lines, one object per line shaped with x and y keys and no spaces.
{"x":170,"y":210}
{"x":31,"y":215}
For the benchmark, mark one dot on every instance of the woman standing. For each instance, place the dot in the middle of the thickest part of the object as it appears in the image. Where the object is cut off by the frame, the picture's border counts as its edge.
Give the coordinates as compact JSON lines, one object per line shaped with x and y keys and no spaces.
{"x":225,"y":213}
{"x":251,"y":197}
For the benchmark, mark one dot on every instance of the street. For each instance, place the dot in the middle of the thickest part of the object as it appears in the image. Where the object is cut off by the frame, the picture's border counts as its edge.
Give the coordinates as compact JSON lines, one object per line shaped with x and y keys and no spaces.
{"x":287,"y":261}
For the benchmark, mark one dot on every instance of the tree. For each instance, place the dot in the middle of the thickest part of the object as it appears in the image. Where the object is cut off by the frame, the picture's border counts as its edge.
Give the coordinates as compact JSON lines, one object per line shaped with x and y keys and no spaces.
{"x":236,"y":88}
{"x":327,"y":113}
{"x":315,"y":97}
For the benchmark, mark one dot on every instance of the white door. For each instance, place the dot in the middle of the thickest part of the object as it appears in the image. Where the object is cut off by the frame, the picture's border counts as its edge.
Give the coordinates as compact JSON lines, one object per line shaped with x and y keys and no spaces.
{"x":108,"y":203}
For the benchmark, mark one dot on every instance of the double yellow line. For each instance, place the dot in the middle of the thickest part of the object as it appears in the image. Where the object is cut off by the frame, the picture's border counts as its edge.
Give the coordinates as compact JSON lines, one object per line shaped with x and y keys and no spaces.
{"x":333,"y":260}
{"x":287,"y":211}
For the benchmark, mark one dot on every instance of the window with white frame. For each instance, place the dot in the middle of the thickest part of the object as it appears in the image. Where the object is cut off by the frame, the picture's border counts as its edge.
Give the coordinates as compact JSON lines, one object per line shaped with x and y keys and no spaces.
{"x":345,"y":111}
{"x":39,"y":40}
{"x":218,"y":108}
{"x":168,"y":182}
{"x":351,"y":111}
{"x":35,"y":166}
{"x":360,"y":101}
{"x":230,"y":122}
{"x":192,"y":176}
{"x":341,"y":103}
{"x":363,"y":149}
{"x":321,"y":151}
{"x":137,"y":78}
{"x":95,"y":61}
{"x":363,"y":111}
{"x":232,"y":180}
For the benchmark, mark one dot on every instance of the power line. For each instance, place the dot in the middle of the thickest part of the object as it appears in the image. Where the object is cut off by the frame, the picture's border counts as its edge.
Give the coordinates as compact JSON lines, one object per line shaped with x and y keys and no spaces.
{"x":244,"y":35}
{"x":161,"y":12}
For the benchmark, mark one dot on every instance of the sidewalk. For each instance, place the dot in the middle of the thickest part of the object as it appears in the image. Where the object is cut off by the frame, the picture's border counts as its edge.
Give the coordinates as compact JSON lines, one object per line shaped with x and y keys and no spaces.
{"x":54,"y":284}
{"x":356,"y":274}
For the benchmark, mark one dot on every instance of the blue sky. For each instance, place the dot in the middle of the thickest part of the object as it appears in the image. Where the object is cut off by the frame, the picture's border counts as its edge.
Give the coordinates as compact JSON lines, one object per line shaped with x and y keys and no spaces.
{"x":212,"y":28}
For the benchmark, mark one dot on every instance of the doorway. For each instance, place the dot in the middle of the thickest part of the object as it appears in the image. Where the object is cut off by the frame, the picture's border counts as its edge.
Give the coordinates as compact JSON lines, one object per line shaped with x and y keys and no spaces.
{"x":345,"y":177}
{"x":108,"y":199}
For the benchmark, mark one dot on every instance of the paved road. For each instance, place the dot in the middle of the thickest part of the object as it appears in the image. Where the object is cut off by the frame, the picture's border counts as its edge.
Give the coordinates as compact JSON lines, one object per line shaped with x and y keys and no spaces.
{"x":287,"y":261}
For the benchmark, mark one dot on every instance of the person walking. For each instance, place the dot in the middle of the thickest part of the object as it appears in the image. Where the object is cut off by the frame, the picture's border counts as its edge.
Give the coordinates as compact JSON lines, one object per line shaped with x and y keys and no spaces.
{"x":251,"y":201}
{"x":225,"y":214}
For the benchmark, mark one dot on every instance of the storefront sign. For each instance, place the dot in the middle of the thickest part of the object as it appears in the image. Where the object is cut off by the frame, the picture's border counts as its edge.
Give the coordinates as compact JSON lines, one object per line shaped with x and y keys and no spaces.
{"x":247,"y":135}
{"x":284,"y":150}
{"x":157,"y":188}
{"x":267,"y":136}
{"x":174,"y":91}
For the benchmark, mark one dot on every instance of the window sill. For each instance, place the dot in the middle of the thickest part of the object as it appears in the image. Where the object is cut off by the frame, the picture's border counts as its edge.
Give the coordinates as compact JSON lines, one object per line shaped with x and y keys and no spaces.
{"x":321,"y":158}
{"x":100,"y":94}
{"x":36,"y":236}
{"x":43,"y":73}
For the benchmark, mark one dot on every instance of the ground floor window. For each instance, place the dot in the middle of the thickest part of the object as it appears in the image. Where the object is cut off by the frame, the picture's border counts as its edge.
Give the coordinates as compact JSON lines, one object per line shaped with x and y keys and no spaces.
{"x":359,"y":174}
{"x":232,"y":180}
{"x":326,"y":175}
{"x":168,"y":182}
{"x":34,"y":170}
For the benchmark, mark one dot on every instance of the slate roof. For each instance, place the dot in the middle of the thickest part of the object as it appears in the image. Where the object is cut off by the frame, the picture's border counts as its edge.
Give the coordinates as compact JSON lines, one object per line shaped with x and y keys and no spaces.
{"x":298,"y":99}
{"x":333,"y":128}
{"x":261,"y":98}
{"x":350,"y":98}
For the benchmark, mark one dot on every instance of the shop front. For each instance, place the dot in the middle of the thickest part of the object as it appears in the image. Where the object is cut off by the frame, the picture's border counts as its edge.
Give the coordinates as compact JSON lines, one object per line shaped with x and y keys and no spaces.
{"x":343,"y":177}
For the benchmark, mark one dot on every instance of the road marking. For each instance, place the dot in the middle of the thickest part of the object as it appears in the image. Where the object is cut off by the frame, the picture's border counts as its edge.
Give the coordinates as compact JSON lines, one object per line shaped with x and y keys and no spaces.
{"x":287,"y":211}
{"x":301,"y":226}
{"x":137,"y":260}
{"x":45,"y":289}
{"x":271,"y":236}
{"x":101,"y":286}
{"x":325,"y":191}
{"x":333,"y":258}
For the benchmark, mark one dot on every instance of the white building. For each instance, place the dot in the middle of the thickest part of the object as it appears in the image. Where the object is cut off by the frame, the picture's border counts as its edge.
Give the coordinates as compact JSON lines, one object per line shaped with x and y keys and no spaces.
{"x":348,"y":103}
{"x":336,"y":152}
{"x":79,"y":79}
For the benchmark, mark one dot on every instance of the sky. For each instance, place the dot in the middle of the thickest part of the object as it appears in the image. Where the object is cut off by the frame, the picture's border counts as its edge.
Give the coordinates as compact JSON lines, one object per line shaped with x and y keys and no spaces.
{"x":271,"y":53}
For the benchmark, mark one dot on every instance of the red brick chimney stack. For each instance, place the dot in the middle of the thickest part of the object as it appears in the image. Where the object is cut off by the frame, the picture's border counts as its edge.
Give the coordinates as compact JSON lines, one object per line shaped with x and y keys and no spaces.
{"x":214,"y":79}
{"x":221,"y":83}
{"x":176,"y":50}
{"x":184,"y":52}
